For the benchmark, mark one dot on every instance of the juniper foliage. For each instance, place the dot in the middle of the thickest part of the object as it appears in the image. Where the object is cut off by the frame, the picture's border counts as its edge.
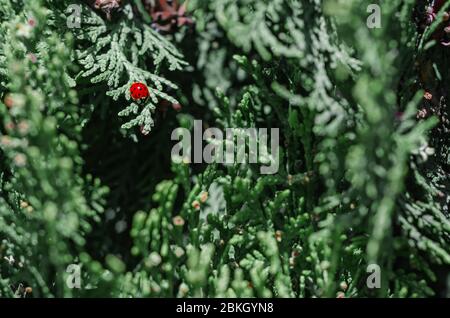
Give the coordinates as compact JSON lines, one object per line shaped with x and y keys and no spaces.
{"x":363,"y":173}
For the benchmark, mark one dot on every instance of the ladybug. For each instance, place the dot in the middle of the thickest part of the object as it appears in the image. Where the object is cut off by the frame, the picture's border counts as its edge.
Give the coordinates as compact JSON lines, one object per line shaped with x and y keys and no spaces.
{"x":139,"y":91}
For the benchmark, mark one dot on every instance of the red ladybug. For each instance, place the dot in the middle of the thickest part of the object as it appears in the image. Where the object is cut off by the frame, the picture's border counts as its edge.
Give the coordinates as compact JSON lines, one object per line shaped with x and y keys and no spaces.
{"x":139,"y":91}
